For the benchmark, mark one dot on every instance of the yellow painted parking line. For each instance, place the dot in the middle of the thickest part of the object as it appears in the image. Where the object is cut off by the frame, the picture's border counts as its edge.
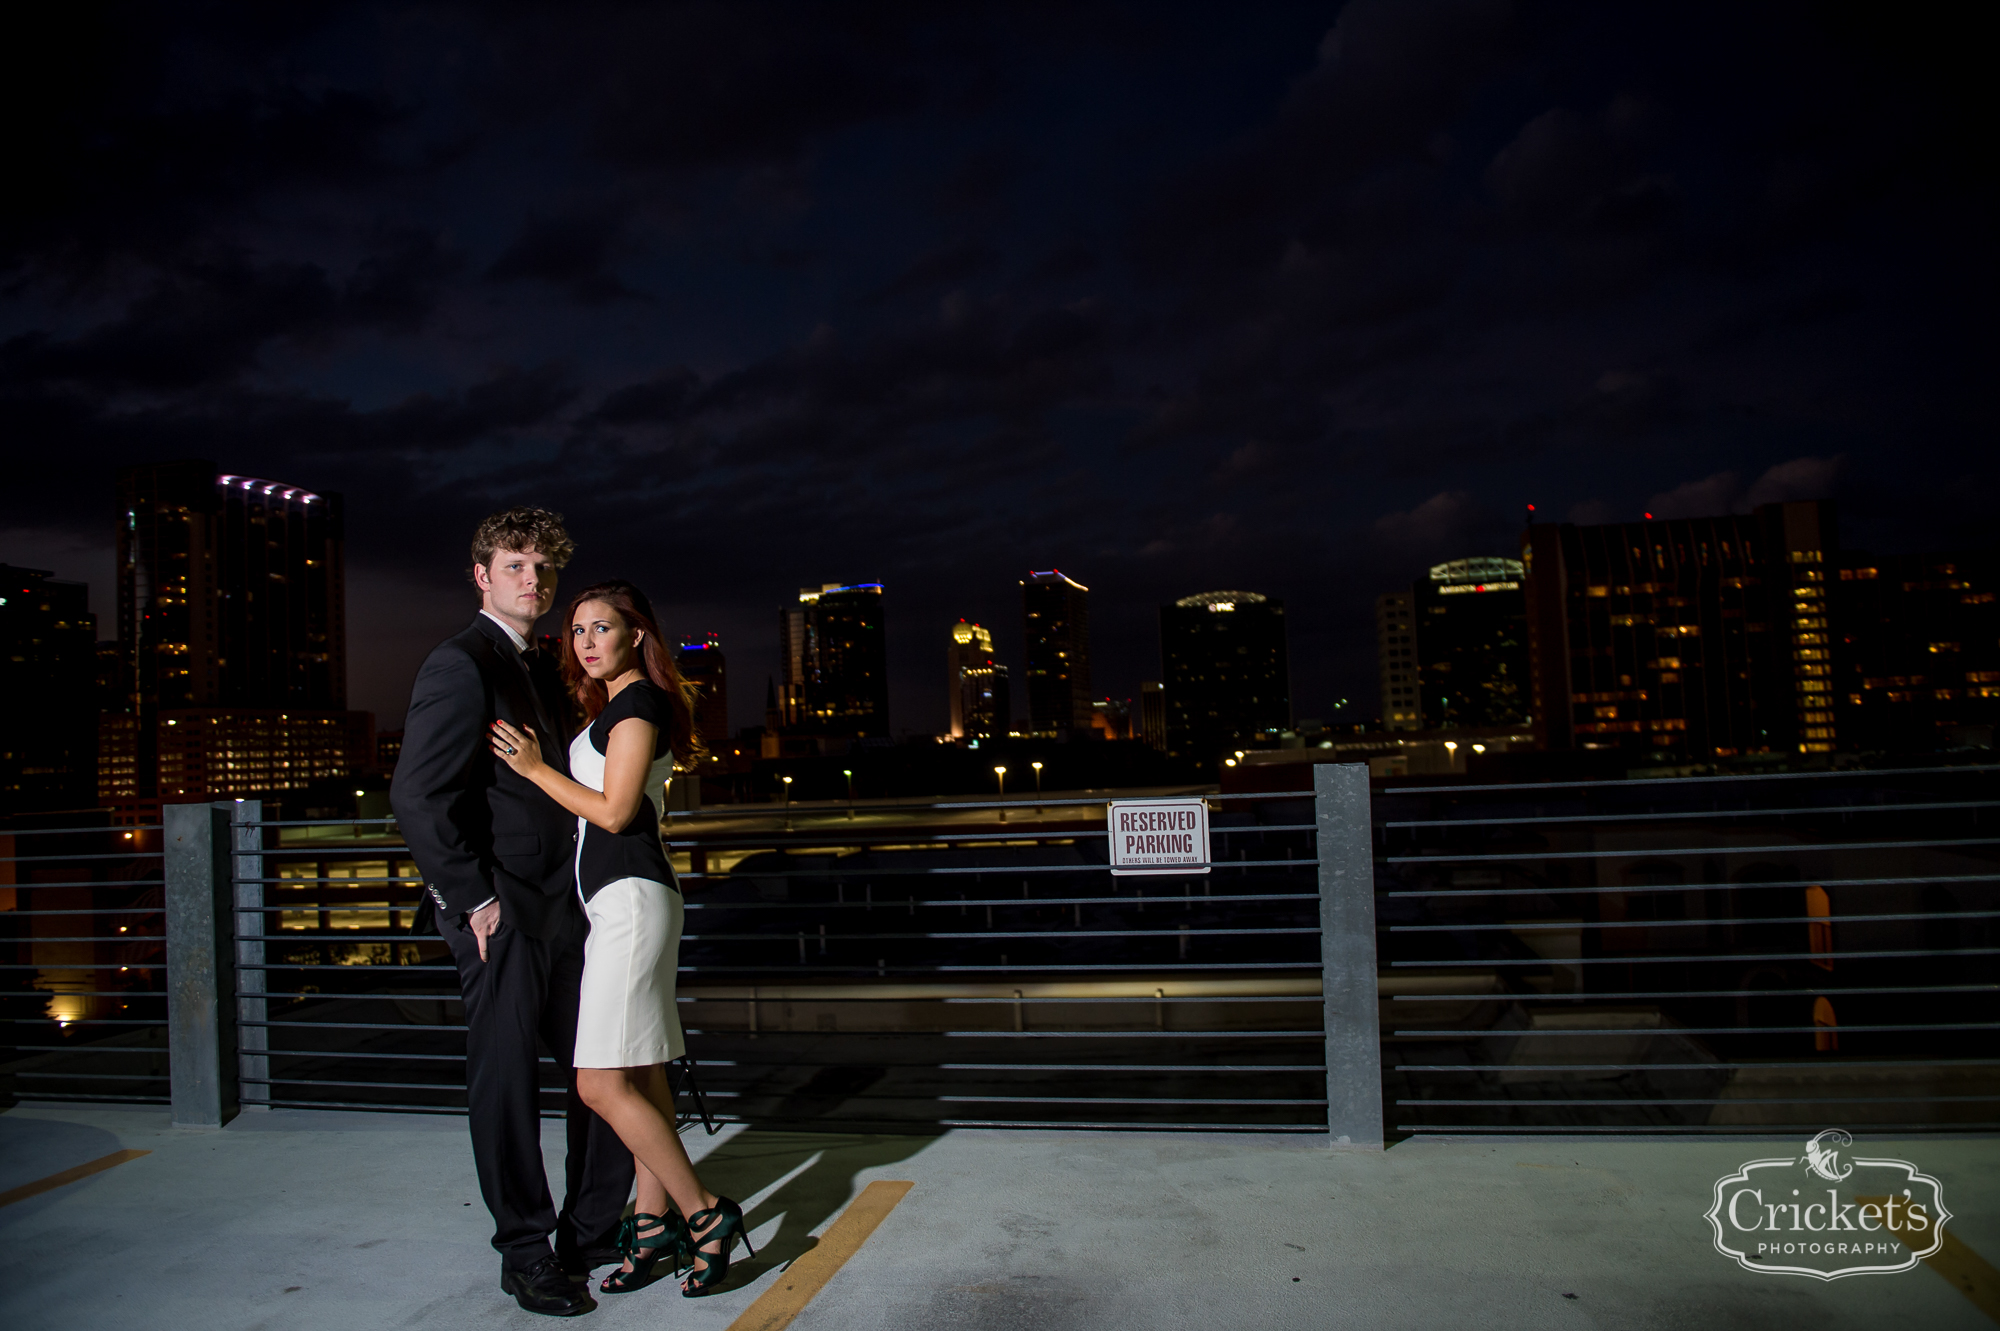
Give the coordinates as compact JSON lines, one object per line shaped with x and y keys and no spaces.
{"x":40,"y":1186}
{"x":1969,"y":1273}
{"x":795,"y":1287}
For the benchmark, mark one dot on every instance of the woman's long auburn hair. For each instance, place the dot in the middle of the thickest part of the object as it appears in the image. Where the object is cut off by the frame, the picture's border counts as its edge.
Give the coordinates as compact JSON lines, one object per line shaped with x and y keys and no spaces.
{"x":591,"y":694}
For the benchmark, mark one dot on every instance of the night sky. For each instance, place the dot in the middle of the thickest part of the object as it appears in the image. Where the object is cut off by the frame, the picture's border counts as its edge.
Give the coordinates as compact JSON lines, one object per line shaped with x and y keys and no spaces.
{"x":1289,"y":298}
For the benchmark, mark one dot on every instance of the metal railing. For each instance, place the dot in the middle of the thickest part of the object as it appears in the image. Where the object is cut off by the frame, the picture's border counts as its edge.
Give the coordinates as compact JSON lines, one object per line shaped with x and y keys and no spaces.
{"x":82,"y":964}
{"x":964,"y":963}
{"x":1687,"y":955}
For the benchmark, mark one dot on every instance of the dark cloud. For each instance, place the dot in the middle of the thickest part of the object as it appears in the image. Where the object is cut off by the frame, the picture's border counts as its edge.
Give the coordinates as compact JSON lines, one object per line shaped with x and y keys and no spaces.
{"x":1300,"y":301}
{"x":573,"y":252}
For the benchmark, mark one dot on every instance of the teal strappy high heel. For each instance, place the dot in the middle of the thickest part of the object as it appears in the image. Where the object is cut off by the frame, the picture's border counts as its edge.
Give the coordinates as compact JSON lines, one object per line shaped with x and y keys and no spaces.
{"x":668,"y":1244}
{"x":722,"y":1221}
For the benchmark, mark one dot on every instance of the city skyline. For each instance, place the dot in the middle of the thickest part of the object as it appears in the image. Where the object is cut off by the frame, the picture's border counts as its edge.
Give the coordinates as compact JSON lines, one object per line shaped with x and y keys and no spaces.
{"x":1299,"y":299}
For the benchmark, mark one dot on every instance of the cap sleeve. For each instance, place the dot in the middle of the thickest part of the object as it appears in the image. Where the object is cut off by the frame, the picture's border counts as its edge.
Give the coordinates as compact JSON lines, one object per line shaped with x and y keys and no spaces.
{"x":649,"y":704}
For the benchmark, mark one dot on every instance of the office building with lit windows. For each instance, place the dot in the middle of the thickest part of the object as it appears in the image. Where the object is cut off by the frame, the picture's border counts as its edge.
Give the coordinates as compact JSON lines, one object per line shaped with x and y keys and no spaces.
{"x":1225,"y":671}
{"x":49,"y":681}
{"x":1396,"y":655}
{"x":1055,"y":616}
{"x":1471,"y":660}
{"x":703,"y":665}
{"x":1152,"y":724}
{"x":979,"y":690}
{"x":1917,"y":663}
{"x":232,"y":602}
{"x":1697,"y":638}
{"x":834,"y":653}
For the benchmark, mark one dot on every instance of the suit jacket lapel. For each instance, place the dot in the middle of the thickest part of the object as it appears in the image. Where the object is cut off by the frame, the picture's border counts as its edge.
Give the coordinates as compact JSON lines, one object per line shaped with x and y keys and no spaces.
{"x":554,"y":742}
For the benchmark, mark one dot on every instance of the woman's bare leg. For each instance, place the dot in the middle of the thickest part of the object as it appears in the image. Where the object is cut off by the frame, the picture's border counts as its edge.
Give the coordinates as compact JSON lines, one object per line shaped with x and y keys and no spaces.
{"x":645,"y":1123}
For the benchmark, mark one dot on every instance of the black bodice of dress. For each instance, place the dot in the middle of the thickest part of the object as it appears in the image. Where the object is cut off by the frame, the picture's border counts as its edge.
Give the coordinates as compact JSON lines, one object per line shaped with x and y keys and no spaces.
{"x":636,"y":852}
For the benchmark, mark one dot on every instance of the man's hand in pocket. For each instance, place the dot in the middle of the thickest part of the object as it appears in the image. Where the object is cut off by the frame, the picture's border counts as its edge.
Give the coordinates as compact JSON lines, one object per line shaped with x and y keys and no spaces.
{"x":483,"y":922}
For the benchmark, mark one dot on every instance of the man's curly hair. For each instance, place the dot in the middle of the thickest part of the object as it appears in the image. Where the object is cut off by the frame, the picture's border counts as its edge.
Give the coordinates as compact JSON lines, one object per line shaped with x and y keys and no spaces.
{"x":523,"y":529}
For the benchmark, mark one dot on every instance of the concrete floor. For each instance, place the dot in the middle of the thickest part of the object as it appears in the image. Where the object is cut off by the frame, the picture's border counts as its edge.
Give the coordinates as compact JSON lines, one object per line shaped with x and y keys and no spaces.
{"x":307,"y":1220}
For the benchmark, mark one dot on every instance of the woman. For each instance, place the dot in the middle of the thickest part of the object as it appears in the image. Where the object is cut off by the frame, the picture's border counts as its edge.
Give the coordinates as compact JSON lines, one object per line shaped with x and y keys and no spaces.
{"x":627,"y":1026}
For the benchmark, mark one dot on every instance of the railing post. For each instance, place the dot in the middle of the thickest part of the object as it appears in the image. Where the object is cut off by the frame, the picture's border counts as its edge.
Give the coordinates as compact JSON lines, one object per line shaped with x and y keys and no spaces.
{"x":253,"y":1065}
{"x":1347,"y":954}
{"x":201,"y":1060}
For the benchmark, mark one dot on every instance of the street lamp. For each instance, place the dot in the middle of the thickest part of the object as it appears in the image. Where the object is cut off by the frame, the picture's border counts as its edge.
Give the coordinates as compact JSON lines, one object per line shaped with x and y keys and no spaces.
{"x":1038,"y":788}
{"x":788,"y":801}
{"x":850,"y":792}
{"x":1000,"y":774}
{"x":1451,"y":753}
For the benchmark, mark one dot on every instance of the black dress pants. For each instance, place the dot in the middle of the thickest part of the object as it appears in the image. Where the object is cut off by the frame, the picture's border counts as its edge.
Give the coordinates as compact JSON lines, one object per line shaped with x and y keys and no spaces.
{"x":523,"y":998}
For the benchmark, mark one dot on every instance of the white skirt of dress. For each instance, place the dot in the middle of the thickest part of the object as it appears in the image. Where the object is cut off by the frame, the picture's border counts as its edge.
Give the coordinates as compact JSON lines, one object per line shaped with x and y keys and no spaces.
{"x":626,"y":1017}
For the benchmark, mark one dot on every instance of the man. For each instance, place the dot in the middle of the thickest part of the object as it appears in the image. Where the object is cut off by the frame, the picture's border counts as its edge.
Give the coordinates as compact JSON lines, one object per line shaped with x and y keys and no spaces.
{"x":496,"y":855}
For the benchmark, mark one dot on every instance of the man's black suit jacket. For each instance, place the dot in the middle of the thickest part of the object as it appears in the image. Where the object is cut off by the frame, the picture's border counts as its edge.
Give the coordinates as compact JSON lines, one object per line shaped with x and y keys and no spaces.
{"x":477,"y":829}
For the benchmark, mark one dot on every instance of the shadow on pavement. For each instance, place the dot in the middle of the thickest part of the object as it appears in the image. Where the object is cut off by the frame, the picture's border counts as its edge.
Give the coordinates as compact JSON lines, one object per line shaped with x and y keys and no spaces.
{"x":810,"y":1177}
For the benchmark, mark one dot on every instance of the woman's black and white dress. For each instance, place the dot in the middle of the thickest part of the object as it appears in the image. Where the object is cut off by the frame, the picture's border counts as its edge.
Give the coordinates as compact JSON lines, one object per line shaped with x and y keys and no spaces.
{"x":626,"y":1017}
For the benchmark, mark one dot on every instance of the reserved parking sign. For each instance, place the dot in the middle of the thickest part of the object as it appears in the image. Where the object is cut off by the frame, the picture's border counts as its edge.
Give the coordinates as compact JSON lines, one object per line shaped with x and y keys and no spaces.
{"x":1158,"y":836}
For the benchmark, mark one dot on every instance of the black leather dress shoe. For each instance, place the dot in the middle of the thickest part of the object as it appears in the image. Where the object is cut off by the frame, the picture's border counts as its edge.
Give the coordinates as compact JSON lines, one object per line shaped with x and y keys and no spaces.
{"x":545,"y":1288}
{"x":579,"y":1263}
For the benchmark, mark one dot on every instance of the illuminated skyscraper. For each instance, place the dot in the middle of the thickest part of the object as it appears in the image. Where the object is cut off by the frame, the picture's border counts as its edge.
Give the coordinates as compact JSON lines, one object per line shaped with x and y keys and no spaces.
{"x":1396,"y":649}
{"x":1703,"y":637}
{"x":231,"y":595}
{"x":1056,"y":620}
{"x":1227,"y":679}
{"x":834,"y":650}
{"x":1152,"y":727}
{"x":703,"y":664}
{"x":1472,"y":644}
{"x":979,"y":687}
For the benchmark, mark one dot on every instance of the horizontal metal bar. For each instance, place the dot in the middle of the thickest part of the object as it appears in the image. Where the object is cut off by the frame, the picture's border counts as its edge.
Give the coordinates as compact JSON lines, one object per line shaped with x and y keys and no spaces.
{"x":134,"y":854}
{"x":1700,"y":993}
{"x":447,"y":996}
{"x":1817,"y":1064}
{"x":1679,"y":1130}
{"x":92,"y":910}
{"x":793,"y":937}
{"x":892,"y":903}
{"x":323,"y":880}
{"x":1314,"y":1034}
{"x":1562,"y":926}
{"x":1740,"y":1100}
{"x":1884,"y":772}
{"x":1709,"y":1030}
{"x":1637,"y":960}
{"x":1687,"y":850}
{"x":77,"y":966}
{"x":80,"y":1021}
{"x":91,"y":882}
{"x":384,"y":1085}
{"x":1026,"y":968}
{"x":85,"y":993}
{"x":90,"y":1076}
{"x":1313,"y":1129}
{"x":92,"y":938}
{"x":1188,"y":870}
{"x":1112,"y":1100}
{"x":1129,"y":1067}
{"x":1794,"y":884}
{"x":316,"y":966}
{"x":88,"y":1048}
{"x":350,"y":1025}
{"x":317,"y":822}
{"x":79,"y":831}
{"x":108,"y":1099}
{"x":1136,"y":998}
{"x":353,"y":1053}
{"x":1678,"y":815}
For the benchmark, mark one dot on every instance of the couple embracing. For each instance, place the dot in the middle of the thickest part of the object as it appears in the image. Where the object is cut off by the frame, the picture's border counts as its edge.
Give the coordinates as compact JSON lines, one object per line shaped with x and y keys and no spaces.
{"x":544,"y":872}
